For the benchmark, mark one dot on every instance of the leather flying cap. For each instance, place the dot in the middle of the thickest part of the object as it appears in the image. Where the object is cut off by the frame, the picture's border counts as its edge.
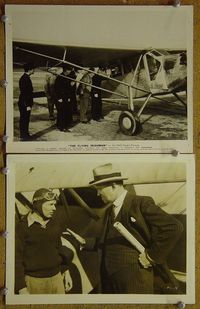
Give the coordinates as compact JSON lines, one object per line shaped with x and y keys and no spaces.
{"x":40,"y":197}
{"x":44,"y":195}
{"x":106,"y":173}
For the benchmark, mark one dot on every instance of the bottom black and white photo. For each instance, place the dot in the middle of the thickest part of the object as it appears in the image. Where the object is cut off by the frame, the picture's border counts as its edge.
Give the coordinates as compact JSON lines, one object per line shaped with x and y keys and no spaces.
{"x":100,"y":229}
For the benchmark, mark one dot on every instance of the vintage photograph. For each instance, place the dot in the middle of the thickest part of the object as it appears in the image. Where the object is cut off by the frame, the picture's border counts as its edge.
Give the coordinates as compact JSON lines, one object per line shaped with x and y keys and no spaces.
{"x":96,"y":82}
{"x":110,"y":228}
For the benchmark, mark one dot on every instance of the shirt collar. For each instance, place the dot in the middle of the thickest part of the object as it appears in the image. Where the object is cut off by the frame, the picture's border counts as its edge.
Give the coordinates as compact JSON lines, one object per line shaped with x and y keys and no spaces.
{"x":34,"y":217}
{"x":119,"y":201}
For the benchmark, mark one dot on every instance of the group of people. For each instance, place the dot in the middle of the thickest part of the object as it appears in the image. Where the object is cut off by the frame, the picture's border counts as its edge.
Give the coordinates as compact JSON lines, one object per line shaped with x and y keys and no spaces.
{"x":62,"y":91}
{"x":41,"y":259}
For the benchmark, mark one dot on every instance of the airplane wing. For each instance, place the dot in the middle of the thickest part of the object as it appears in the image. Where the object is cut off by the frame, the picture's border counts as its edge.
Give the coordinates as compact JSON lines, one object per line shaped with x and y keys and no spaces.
{"x":31,"y":175}
{"x":84,"y":56}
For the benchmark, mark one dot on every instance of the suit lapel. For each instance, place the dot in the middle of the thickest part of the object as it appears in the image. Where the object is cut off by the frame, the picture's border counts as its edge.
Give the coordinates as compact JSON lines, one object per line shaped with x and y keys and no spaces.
{"x":105,"y":224}
{"x":125,"y":208}
{"x":129,"y":208}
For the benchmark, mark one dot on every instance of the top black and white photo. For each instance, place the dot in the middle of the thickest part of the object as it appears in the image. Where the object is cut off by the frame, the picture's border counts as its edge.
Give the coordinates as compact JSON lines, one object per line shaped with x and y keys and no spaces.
{"x":99,"y":79}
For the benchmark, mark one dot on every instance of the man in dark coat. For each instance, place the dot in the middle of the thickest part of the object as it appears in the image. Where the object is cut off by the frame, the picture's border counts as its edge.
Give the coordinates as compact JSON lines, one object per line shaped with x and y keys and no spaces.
{"x":124,"y":269}
{"x":96,"y":99}
{"x":64,"y":104}
{"x":25,"y":101}
{"x":72,"y":74}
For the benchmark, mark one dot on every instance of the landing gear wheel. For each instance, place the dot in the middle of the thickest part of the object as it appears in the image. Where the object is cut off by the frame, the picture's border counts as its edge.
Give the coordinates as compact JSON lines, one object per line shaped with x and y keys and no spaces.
{"x":129,"y":123}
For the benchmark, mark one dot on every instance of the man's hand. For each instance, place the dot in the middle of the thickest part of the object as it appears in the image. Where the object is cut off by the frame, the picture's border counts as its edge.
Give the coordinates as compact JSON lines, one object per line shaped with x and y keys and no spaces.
{"x":80,"y":239}
{"x":144,"y":261}
{"x":68,"y":283}
{"x":23,"y":291}
{"x":28,"y":108}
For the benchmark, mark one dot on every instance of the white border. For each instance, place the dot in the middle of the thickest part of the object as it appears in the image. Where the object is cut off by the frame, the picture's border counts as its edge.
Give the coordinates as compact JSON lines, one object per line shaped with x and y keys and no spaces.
{"x":11,"y":298}
{"x":153,"y":146}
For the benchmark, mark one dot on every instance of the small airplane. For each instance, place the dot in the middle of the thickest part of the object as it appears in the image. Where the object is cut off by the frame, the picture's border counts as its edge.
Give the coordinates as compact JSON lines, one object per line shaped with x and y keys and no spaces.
{"x":85,"y":209}
{"x":134,"y":74}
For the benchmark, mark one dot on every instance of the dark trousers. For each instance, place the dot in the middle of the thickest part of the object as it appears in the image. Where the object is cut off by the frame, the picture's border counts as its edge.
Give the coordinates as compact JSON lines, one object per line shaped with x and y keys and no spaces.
{"x":64,"y":115}
{"x":96,"y":107}
{"x":74,"y":103}
{"x":130,"y":279}
{"x":24,"y":120}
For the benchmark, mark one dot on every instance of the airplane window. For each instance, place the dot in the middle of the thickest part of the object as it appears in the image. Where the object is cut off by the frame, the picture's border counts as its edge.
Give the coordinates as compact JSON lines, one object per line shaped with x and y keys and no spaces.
{"x":156,"y":53}
{"x":154,"y":66}
{"x":169,"y":64}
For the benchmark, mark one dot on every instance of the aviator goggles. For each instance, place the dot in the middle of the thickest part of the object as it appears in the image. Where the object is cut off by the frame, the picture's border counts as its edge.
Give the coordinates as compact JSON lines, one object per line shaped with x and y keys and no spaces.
{"x":49,"y":196}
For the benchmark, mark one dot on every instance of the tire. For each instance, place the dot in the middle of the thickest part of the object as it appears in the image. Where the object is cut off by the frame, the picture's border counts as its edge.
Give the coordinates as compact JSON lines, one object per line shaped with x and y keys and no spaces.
{"x":129,"y":123}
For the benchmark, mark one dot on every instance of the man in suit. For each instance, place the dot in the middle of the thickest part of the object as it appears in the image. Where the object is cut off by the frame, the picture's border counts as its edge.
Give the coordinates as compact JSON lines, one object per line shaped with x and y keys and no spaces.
{"x":123,"y":268}
{"x":63,"y":88}
{"x":96,"y":94}
{"x":25,"y":101}
{"x":73,"y":74}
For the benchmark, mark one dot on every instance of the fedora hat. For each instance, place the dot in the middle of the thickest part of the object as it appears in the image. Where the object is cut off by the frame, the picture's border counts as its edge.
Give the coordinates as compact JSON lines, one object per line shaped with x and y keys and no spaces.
{"x":106,"y":173}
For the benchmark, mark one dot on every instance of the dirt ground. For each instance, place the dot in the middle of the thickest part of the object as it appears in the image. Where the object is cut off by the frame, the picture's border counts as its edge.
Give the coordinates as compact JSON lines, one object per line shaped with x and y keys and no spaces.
{"x":160,"y":121}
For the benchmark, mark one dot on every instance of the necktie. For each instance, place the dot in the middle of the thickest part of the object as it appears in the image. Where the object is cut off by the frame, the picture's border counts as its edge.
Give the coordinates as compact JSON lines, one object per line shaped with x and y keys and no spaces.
{"x":112,"y":214}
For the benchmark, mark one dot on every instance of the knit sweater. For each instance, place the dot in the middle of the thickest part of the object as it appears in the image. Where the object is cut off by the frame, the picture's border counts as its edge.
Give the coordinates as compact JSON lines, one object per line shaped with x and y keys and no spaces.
{"x":38,"y":250}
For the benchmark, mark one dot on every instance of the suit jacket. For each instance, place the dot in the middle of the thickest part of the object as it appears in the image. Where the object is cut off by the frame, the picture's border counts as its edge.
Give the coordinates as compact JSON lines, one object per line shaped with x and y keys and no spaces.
{"x":62,"y":88}
{"x":156,"y":230}
{"x":26,"y":91}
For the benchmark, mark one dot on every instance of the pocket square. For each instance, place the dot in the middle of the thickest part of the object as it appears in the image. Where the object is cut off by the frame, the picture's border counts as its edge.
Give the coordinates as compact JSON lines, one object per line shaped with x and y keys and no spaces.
{"x":132,"y":219}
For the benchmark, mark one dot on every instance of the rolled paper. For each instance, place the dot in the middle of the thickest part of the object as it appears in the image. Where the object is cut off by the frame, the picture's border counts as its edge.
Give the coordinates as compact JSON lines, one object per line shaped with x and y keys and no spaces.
{"x":124,"y":232}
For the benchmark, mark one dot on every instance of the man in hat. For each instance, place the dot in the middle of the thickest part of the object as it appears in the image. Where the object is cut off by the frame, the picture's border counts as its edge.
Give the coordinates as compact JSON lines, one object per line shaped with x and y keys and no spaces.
{"x":63,"y":88}
{"x":40,"y":257}
{"x":123,"y":268}
{"x":25,"y":101}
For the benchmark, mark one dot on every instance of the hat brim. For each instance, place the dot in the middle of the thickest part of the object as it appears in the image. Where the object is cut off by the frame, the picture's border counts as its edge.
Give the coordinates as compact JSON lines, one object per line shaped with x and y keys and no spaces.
{"x":105,"y":180}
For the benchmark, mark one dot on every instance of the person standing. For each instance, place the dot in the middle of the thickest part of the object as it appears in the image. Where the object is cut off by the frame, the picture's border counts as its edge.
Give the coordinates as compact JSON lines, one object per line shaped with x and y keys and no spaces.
{"x":63,"y":96}
{"x":72,"y":74}
{"x":84,"y":91}
{"x":25,"y":102}
{"x":123,"y":268}
{"x":41,"y":262}
{"x":49,"y":89}
{"x":96,"y":100}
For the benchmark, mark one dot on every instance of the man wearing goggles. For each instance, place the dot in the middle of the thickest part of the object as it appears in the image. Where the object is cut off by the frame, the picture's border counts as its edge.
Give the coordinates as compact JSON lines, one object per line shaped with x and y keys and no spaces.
{"x":40,"y":257}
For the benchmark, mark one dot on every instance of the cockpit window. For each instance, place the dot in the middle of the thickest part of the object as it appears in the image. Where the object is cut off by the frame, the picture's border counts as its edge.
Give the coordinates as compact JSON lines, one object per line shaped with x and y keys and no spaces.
{"x":170,"y":63}
{"x":156,"y":53}
{"x":154,"y":66}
